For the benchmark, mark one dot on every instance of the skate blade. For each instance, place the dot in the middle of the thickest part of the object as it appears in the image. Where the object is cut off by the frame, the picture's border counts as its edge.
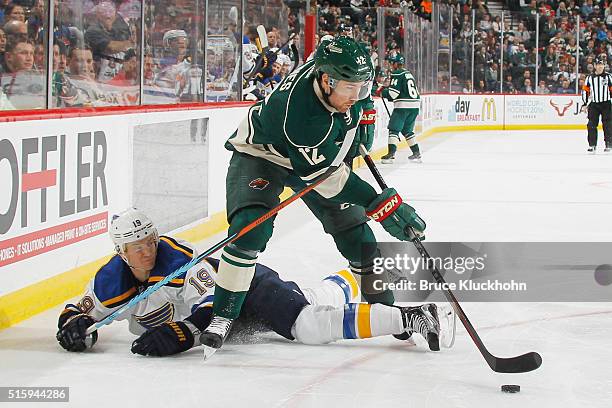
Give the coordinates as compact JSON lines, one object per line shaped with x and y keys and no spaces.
{"x":208,"y":352}
{"x":387,"y":161}
{"x":448,"y":325}
{"x":415,"y":161}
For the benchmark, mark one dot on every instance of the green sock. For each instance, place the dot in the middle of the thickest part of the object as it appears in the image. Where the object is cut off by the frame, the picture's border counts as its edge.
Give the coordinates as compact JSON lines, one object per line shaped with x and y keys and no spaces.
{"x":227,"y":303}
{"x":415,"y":149}
{"x":392,"y":149}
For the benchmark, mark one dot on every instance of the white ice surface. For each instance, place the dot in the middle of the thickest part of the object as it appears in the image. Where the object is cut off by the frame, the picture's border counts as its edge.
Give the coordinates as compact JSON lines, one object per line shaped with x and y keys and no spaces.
{"x":481,"y":186}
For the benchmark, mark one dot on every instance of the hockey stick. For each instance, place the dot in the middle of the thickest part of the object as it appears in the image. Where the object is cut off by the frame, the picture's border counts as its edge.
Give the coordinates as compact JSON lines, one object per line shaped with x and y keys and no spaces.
{"x":263,"y":40}
{"x":231,"y":238}
{"x":520,"y":364}
{"x":386,"y":108}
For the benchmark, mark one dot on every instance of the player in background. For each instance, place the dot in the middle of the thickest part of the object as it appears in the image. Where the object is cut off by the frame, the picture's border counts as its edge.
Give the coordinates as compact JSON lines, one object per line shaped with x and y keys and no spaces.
{"x":304,"y":129}
{"x":171,"y":319}
{"x":406,"y":99}
{"x":596,"y":100}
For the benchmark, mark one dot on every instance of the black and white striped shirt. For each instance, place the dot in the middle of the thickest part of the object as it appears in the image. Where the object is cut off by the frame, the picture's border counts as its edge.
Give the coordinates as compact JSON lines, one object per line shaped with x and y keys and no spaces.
{"x":597,"y":88}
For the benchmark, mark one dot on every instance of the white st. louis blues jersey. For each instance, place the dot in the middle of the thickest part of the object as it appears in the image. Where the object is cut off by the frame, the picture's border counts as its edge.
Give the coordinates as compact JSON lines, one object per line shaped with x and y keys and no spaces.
{"x":114,"y":285}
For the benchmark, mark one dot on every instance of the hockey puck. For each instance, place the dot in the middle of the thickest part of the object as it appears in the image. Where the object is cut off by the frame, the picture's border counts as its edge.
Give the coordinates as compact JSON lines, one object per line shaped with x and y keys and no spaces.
{"x":511,"y":388}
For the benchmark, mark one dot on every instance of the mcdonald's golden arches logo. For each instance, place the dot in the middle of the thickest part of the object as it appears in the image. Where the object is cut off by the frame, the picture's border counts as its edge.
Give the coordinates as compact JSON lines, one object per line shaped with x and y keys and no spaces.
{"x":489,"y":111}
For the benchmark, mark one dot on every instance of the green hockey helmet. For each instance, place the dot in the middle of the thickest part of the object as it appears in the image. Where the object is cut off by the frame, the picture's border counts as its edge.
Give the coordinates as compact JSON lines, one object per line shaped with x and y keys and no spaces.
{"x":343,"y":59}
{"x":397,"y":58}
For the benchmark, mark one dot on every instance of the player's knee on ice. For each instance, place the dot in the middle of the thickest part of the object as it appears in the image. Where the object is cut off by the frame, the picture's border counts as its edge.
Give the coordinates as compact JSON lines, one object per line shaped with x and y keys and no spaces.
{"x":314,"y":325}
{"x":256,"y":239}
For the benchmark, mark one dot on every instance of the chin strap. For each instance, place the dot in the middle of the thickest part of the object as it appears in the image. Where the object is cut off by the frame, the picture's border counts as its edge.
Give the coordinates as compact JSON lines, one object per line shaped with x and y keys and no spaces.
{"x":325,"y":95}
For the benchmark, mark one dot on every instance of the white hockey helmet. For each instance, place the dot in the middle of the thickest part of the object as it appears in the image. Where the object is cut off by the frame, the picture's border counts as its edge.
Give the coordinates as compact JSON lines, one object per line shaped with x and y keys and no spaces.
{"x":131,"y":225}
{"x":172,"y":35}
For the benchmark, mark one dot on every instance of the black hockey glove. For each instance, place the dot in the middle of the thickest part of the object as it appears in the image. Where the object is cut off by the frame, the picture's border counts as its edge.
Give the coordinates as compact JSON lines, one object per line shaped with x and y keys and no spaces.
{"x":72,"y":335}
{"x":166,"y":339}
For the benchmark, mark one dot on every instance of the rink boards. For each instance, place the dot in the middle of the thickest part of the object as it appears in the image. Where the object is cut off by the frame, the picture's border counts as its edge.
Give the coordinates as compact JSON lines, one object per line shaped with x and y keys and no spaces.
{"x":63,"y":176}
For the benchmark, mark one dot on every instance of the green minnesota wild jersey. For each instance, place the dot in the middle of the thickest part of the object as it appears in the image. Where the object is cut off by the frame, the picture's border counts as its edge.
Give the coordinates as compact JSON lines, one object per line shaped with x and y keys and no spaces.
{"x":402,"y":90}
{"x":293,"y":127}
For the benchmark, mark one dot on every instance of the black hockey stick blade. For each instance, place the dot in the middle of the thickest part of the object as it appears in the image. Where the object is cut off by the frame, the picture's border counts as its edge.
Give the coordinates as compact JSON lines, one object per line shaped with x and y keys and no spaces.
{"x":519,"y":364}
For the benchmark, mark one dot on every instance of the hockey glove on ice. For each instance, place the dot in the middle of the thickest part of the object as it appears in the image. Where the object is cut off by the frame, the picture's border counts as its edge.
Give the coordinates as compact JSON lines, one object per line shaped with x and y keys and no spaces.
{"x":395,"y":216}
{"x":164,"y":340}
{"x":72,"y":334}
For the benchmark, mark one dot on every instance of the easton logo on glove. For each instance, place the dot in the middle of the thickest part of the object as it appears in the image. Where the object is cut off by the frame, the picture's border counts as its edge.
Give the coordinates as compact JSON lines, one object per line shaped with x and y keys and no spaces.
{"x":385,"y":208}
{"x":368,"y":117}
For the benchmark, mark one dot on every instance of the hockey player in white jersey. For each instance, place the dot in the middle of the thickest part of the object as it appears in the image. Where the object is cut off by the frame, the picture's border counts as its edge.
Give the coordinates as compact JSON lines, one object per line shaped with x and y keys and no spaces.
{"x":170,"y":320}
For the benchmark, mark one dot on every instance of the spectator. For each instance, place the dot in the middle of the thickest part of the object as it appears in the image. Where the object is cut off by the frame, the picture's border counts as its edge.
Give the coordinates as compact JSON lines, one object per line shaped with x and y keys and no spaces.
{"x":39,"y":57}
{"x":565,"y":88}
{"x":3,"y":5}
{"x":491,"y":77}
{"x":128,"y":76}
{"x":149,"y":70}
{"x":497,"y":25}
{"x":485,"y":23}
{"x":522,"y":34}
{"x":109,"y":37}
{"x":36,"y":21}
{"x":542,"y":88}
{"x":508,"y":85}
{"x":24,"y":87}
{"x":562,"y":11}
{"x":80,"y":64}
{"x":527,"y":88}
{"x":19,"y":56}
{"x":16,"y":31}
{"x":587,"y":8}
{"x":14,"y":12}
{"x":519,"y":59}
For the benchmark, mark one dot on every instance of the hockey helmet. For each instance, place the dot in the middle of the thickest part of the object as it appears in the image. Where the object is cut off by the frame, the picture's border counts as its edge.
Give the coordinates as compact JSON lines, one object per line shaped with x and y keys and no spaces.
{"x":397,"y":58}
{"x":131,"y":225}
{"x":343,"y":59}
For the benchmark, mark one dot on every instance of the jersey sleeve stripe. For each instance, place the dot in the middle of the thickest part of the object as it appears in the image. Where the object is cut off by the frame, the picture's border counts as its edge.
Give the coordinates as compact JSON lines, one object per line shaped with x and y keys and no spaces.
{"x":334,"y":184}
{"x":117,"y":300}
{"x":179,"y":247}
{"x":173,"y":282}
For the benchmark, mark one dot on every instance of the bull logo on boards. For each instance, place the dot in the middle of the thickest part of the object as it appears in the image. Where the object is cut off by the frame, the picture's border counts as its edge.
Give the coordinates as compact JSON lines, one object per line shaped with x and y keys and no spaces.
{"x":259,"y":183}
{"x":561,"y":109}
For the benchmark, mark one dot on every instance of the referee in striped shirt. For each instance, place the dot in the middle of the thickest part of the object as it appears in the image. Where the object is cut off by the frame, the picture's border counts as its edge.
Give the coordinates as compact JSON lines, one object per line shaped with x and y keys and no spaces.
{"x":596,"y":95}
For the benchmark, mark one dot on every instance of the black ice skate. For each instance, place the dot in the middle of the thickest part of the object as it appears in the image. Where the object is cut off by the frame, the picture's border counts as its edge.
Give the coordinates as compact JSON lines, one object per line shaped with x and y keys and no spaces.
{"x":215,"y":334}
{"x":387,"y":158}
{"x":423,"y":320}
{"x":608,"y":148}
{"x":415,"y":158}
{"x":591,"y":150}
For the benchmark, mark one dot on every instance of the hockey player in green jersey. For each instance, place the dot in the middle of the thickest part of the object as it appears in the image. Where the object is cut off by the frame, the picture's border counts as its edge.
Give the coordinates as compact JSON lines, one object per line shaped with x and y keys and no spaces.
{"x":306,"y":126}
{"x":403,"y":92}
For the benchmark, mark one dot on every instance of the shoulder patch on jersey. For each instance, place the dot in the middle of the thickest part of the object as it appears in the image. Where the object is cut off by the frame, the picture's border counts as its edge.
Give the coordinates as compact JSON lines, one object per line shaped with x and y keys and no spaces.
{"x":114,"y":283}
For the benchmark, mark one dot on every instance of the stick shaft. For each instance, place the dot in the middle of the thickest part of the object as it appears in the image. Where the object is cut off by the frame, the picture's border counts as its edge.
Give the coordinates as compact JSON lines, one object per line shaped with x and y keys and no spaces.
{"x":229,"y":239}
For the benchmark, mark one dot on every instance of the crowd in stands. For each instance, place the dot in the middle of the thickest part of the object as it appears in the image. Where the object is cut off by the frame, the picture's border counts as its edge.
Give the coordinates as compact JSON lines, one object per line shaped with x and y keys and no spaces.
{"x":561,"y":23}
{"x":97,"y":53}
{"x":97,"y":50}
{"x":555,"y":53}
